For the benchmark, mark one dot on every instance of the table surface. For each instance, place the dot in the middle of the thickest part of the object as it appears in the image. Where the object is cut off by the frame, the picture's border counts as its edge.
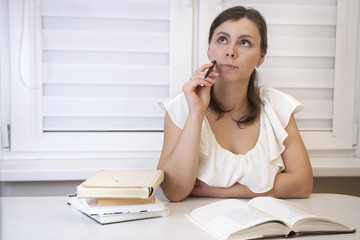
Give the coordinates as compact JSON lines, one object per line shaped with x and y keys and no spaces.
{"x":51,"y":218}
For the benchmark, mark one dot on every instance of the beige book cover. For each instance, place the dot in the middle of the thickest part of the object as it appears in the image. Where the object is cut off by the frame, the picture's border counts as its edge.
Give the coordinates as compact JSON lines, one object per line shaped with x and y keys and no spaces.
{"x":103,"y":202}
{"x":116,"y":183}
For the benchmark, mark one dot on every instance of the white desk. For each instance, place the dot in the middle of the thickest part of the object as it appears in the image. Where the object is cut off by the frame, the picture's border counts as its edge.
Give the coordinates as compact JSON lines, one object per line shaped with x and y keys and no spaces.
{"x":51,"y":218}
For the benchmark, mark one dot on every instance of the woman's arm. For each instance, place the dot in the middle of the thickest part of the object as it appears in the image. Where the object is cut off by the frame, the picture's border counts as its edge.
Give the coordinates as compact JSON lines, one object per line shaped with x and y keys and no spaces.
{"x":297,"y":178}
{"x":296,"y":181}
{"x":179,"y":157}
{"x":180,"y":154}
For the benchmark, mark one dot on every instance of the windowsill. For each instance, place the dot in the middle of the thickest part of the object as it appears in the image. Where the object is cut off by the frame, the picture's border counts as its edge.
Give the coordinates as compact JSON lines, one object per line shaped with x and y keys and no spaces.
{"x":336,"y":167}
{"x":65,"y":169}
{"x":72,"y":170}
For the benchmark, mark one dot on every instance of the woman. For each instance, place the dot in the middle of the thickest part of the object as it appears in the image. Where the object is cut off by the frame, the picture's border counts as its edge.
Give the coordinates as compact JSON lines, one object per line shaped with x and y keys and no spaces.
{"x":226,"y":137}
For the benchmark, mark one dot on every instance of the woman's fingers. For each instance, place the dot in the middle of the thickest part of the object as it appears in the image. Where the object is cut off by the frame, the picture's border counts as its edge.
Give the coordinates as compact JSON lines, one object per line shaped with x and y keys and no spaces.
{"x":198,"y":80}
{"x":213,"y":74}
{"x":204,"y":67}
{"x":192,"y":84}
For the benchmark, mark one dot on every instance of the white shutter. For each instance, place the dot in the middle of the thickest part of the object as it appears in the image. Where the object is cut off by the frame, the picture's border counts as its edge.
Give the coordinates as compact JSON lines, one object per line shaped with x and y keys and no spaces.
{"x":87,"y":74}
{"x":303,"y":59}
{"x":301,"y":56}
{"x":105,"y":64}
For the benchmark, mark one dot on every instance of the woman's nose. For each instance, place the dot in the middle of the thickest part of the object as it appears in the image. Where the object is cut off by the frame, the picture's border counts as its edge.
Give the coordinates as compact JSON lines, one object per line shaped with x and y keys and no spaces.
{"x":230,"y":52}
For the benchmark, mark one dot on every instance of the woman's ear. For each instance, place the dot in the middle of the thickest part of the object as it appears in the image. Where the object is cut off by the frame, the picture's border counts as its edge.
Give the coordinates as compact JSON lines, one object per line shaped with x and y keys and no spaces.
{"x":208,"y":54}
{"x":261,"y":60}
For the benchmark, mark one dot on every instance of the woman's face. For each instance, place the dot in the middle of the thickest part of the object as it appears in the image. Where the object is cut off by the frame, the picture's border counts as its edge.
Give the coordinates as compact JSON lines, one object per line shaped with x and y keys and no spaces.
{"x":235,"y":45}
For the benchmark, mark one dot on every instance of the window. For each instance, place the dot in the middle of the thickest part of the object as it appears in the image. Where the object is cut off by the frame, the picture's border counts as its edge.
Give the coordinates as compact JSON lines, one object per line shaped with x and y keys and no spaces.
{"x":87,"y":75}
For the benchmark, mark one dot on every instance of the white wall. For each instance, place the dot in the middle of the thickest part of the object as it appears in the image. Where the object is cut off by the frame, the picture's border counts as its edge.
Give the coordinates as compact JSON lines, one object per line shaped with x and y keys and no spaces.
{"x":4,"y":72}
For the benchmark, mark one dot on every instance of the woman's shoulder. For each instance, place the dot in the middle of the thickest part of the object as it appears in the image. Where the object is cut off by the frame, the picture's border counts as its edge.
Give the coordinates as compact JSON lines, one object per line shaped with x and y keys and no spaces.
{"x":281,"y":103}
{"x":174,"y":99}
{"x":274,"y":95}
{"x":177,"y":108}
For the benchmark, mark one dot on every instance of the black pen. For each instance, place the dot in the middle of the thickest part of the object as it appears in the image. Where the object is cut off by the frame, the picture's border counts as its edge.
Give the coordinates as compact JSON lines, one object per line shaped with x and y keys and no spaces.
{"x":210,"y":69}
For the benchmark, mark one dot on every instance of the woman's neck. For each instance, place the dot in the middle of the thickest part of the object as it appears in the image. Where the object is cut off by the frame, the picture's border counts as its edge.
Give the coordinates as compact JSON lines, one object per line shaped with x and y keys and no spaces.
{"x":232,"y":95}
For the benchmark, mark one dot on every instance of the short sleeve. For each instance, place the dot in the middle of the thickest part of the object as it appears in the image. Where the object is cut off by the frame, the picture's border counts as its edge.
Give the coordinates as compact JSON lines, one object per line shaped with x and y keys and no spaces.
{"x":177,"y":108}
{"x":283,"y":104}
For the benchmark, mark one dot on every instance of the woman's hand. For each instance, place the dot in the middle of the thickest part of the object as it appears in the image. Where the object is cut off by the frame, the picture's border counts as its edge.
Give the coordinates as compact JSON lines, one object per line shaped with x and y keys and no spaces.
{"x":201,"y":189}
{"x":197,"y":89}
{"x":237,"y":190}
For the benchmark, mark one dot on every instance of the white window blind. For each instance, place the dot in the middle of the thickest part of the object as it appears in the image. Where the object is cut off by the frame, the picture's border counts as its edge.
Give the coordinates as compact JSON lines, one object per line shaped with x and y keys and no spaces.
{"x":105,"y":64}
{"x":301,"y":56}
{"x":86,"y":76}
{"x":303,"y":60}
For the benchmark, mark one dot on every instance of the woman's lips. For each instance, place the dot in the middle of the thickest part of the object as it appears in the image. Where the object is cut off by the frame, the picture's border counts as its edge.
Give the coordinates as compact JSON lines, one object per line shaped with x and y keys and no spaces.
{"x":228,"y":66}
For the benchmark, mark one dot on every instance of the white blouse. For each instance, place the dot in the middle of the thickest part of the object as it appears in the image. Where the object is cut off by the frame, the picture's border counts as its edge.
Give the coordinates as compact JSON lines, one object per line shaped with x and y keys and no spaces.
{"x":258,"y":167}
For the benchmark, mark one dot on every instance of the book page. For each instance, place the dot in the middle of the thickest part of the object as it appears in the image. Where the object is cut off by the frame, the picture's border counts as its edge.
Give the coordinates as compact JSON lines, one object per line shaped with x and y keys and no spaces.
{"x":226,"y":217}
{"x":298,"y":218}
{"x":286,"y":211}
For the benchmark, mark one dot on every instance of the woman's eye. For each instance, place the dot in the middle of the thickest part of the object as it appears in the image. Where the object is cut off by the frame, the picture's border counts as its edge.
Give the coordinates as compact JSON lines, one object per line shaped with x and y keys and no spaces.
{"x":244,"y":43}
{"x":222,"y":40}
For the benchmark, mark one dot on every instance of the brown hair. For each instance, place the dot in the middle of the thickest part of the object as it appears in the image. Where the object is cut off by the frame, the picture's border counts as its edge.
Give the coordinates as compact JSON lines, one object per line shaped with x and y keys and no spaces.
{"x":255,"y":102}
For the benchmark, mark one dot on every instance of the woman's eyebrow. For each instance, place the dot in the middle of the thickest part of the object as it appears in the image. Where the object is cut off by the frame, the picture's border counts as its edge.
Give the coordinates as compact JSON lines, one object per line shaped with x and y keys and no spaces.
{"x":245,"y":36}
{"x":223,"y":33}
{"x":241,"y":36}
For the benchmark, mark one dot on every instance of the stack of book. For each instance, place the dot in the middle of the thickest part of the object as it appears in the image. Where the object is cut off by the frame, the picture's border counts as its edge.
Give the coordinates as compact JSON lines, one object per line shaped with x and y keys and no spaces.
{"x":112,"y":196}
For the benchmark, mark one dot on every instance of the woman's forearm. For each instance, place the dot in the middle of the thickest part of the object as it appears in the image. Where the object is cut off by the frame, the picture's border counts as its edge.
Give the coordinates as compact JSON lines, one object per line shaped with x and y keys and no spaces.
{"x":286,"y":185}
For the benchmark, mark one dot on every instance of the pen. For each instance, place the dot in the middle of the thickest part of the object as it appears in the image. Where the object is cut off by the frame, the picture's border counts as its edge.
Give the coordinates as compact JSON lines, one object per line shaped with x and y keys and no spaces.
{"x":210,"y":69}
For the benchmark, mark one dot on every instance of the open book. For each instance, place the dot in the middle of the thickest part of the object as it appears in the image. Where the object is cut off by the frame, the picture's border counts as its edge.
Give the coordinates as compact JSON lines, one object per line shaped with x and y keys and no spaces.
{"x":262,"y":217}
